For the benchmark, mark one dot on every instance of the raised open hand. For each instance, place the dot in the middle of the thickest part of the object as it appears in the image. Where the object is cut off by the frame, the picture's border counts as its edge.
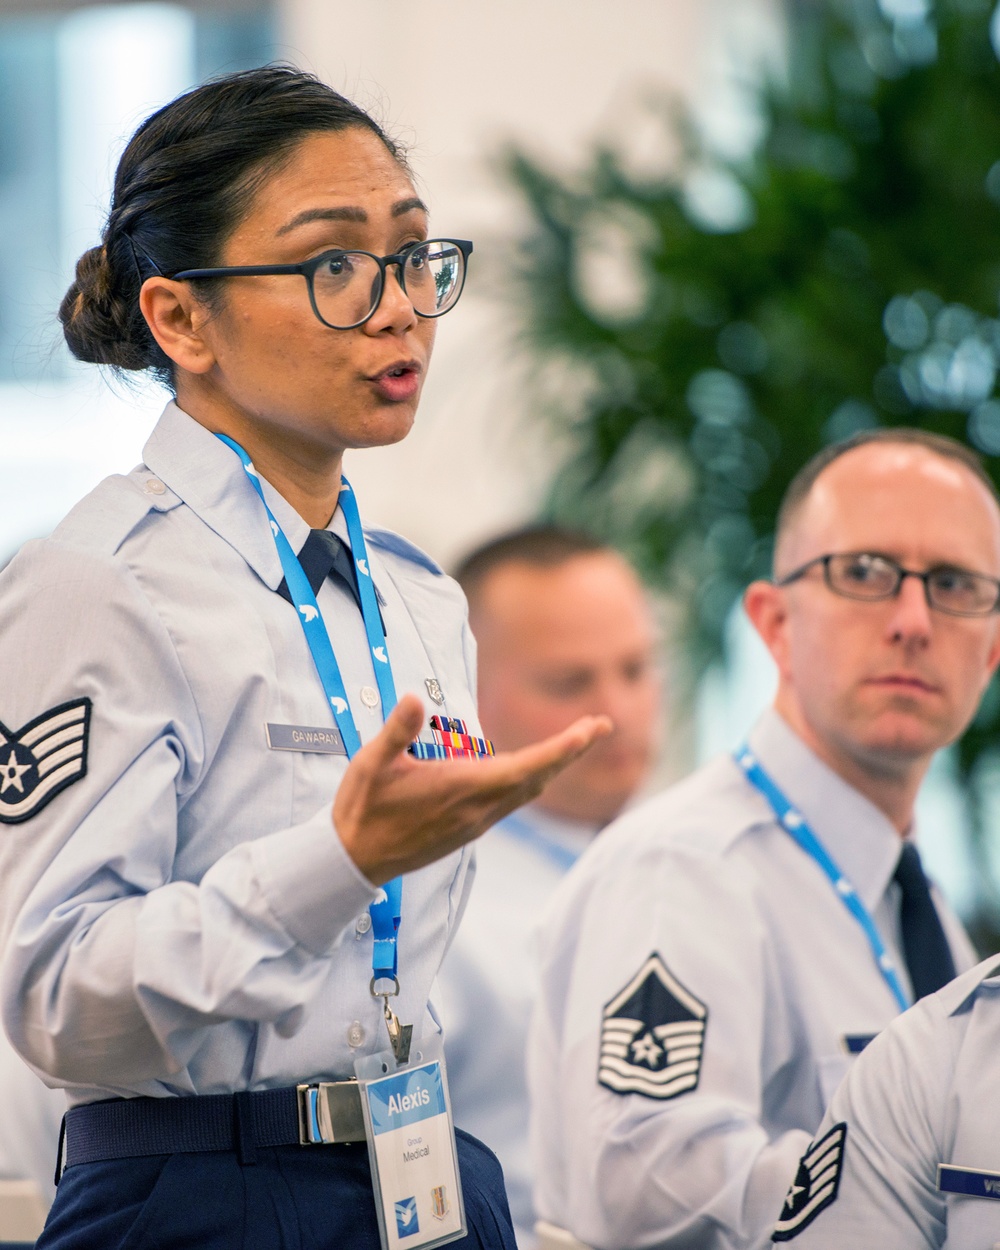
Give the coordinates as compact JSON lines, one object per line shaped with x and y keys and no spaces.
{"x":395,"y":813}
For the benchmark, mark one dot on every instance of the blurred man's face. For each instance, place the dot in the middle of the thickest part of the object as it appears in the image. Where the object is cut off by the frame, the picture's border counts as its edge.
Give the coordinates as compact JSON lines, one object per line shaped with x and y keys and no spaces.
{"x":882,"y":684}
{"x":562,"y":642}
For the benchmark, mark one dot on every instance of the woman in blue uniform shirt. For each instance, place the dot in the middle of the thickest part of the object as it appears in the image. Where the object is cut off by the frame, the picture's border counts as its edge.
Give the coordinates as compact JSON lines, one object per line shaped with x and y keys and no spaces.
{"x":185,"y":919}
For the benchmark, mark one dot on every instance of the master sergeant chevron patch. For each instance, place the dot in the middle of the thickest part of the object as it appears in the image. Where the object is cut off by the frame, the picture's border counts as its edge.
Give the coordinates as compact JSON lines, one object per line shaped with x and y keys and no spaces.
{"x":652,"y":1035}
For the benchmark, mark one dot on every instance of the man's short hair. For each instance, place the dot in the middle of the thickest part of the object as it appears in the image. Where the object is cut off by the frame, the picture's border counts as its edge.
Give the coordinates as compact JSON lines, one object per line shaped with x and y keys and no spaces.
{"x":802,"y":483}
{"x":541,"y":546}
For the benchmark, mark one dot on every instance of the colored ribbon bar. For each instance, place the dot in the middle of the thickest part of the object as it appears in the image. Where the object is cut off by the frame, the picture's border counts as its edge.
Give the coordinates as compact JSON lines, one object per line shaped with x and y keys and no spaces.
{"x":479,"y":746}
{"x":438,"y":751}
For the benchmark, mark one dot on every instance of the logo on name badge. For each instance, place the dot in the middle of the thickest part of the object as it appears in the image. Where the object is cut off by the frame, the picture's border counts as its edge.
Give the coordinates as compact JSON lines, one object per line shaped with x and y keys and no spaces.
{"x":406,"y":1217}
{"x":815,"y":1185}
{"x":42,"y":758}
{"x":440,"y":1206}
{"x":434,"y":690}
{"x":652,"y":1035}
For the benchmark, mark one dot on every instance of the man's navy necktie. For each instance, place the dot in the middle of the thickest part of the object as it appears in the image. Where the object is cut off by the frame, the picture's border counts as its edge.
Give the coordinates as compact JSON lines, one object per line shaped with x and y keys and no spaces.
{"x":928,"y":957}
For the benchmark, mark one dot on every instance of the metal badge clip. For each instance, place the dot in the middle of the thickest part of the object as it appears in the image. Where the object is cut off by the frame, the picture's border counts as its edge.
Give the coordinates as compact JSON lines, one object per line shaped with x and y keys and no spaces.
{"x":400,"y":1035}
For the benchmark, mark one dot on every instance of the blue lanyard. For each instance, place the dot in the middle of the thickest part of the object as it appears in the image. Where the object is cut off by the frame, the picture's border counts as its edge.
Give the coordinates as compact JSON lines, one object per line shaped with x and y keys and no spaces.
{"x":792,"y":820}
{"x":386,"y":911}
{"x":522,"y":829}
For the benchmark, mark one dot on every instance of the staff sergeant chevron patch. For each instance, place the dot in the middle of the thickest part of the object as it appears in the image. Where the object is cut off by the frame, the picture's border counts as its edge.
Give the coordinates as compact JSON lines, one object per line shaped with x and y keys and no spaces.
{"x":652,"y":1035}
{"x":815,"y":1185}
{"x":41,"y":758}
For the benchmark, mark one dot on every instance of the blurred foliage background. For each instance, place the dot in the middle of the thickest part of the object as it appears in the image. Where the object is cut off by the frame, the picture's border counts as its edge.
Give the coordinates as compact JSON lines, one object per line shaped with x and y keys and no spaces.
{"x":702,"y":329}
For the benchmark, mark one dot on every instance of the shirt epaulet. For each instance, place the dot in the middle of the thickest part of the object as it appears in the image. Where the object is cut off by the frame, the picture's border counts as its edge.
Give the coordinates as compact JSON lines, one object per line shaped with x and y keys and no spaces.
{"x":956,"y":994}
{"x":992,"y":969}
{"x":399,"y":546}
{"x":103,"y":519}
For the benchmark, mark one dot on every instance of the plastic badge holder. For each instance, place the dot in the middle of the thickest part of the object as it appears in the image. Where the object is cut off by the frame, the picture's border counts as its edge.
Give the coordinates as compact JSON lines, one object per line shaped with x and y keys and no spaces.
{"x":411,"y":1145}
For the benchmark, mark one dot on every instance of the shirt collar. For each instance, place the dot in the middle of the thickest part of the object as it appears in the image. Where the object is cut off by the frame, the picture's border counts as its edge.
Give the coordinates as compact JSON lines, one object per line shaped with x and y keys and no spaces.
{"x":200,"y":469}
{"x":860,"y":838}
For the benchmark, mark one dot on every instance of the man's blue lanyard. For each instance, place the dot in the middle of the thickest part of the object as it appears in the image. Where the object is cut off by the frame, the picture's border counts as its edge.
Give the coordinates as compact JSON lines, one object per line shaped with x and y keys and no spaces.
{"x":387,"y":910}
{"x":792,"y":820}
{"x":525,"y":831}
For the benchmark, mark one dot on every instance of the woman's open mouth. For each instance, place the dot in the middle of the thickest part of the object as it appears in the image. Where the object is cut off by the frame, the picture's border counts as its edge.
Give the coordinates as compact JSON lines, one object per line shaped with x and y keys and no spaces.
{"x":399,"y":382}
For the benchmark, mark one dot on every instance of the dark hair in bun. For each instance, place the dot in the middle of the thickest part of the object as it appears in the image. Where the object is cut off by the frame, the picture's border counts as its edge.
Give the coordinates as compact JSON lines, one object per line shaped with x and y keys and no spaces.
{"x":182,"y":185}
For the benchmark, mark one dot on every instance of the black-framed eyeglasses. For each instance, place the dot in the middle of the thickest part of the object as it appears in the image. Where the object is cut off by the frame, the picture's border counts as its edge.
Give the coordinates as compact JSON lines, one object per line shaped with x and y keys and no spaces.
{"x":345,"y":286}
{"x":869,"y":576}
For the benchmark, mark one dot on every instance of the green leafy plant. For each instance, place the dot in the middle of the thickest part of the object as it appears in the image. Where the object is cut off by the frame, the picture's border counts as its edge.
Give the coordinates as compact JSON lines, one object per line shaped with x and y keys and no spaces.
{"x":702,"y":331}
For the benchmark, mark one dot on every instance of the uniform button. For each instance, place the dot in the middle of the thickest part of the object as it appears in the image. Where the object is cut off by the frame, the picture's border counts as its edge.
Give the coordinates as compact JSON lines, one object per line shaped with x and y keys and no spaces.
{"x":355,"y":1033}
{"x":364,"y":923}
{"x":369,"y":696}
{"x":155,"y":486}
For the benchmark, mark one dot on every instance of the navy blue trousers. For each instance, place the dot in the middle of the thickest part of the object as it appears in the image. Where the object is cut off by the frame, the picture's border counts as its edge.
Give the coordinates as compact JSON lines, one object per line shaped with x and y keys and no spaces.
{"x":292,"y":1198}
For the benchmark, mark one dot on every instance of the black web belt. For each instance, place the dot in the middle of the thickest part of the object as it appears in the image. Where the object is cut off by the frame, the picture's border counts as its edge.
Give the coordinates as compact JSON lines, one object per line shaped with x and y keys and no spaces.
{"x":323,"y":1113}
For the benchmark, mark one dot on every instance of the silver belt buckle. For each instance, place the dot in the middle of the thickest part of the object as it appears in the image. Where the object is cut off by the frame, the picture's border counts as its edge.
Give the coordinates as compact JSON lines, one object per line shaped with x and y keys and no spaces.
{"x":330,"y":1112}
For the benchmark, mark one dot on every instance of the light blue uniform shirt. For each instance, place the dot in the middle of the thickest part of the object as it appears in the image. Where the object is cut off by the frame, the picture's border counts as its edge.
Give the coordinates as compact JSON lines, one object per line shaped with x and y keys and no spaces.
{"x":768,"y":982}
{"x":30,"y":1116}
{"x":925,"y":1094}
{"x":184,"y":918}
{"x":489,"y":980}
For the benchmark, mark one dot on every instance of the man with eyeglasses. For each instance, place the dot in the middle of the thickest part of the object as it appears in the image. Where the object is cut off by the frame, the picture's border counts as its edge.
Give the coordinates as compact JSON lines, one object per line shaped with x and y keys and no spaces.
{"x":714,"y":963}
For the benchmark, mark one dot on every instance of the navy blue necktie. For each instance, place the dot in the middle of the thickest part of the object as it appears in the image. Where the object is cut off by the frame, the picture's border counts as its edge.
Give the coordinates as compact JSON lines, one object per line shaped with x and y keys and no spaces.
{"x":324,"y":555}
{"x":928,"y":956}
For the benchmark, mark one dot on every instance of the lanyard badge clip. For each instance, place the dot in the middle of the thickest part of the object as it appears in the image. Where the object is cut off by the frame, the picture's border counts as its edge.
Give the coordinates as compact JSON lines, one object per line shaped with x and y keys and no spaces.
{"x":400,"y":1035}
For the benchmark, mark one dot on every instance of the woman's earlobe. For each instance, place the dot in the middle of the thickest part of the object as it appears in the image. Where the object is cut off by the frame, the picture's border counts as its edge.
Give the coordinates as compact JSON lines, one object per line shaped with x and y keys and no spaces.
{"x":174,"y":317}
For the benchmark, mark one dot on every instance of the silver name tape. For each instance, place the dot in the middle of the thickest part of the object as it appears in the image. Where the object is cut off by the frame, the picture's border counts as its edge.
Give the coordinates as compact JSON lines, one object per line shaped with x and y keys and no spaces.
{"x":321,"y":740}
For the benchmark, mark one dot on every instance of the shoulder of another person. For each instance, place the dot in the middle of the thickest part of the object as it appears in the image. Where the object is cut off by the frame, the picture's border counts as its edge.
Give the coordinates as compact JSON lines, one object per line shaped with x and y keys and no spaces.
{"x":961,"y":993}
{"x":931,"y":1030}
{"x":671,"y":854}
{"x":701,"y":817}
{"x":396,"y":545}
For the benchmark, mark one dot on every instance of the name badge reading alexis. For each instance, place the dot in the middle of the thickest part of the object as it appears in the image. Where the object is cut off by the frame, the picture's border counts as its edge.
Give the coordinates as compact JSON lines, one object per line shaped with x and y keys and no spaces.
{"x":971,"y":1181}
{"x":319,"y":739}
{"x":411,"y":1145}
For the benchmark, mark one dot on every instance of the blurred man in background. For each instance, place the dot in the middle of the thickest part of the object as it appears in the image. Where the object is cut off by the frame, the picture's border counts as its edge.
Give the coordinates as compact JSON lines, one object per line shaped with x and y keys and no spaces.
{"x":563,"y":627}
{"x":710,"y":969}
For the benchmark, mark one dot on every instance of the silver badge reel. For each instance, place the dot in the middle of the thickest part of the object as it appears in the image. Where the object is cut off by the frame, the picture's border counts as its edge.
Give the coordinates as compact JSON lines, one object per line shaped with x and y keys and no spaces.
{"x":411,"y":1140}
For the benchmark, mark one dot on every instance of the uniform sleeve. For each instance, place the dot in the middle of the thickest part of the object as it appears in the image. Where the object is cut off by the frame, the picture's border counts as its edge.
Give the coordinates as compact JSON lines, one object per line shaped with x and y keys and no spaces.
{"x":112,"y":968}
{"x":869,"y":1178}
{"x":646,"y":1061}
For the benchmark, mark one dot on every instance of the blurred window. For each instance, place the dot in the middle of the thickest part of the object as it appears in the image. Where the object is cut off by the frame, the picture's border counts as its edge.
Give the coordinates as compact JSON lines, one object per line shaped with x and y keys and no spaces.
{"x":74,"y":84}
